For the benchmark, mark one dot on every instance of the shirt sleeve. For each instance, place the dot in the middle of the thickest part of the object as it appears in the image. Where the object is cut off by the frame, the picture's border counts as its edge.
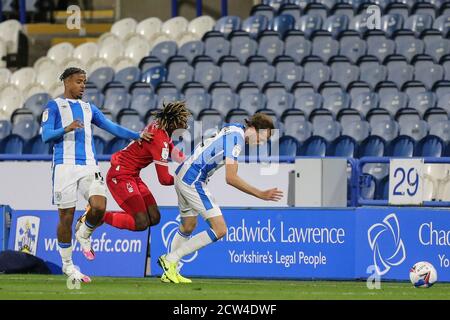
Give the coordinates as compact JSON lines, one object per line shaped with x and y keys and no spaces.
{"x":160,"y":152}
{"x":233,"y":145}
{"x":49,"y":133}
{"x":99,"y":119}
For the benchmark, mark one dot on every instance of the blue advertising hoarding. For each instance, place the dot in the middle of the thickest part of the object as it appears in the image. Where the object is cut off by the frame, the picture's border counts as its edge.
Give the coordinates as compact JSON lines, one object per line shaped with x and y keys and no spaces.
{"x":119,"y":253}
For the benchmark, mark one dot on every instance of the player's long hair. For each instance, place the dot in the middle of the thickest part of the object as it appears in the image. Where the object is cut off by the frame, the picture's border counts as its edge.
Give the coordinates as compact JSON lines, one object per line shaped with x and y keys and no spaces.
{"x":172,"y":116}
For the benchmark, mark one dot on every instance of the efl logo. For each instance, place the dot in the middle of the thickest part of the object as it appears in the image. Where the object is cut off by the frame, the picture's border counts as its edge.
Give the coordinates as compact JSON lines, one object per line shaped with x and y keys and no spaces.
{"x":373,"y":17}
{"x":27,"y":232}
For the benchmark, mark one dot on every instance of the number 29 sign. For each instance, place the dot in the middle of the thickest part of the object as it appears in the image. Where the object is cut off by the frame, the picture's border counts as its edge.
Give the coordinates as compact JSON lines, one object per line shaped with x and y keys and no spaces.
{"x":406,"y":182}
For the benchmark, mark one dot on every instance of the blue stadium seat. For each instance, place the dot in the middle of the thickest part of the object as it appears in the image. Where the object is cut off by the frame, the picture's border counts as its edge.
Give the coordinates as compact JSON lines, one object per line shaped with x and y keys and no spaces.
{"x":12,"y":144}
{"x":430,"y":35}
{"x":434,"y":115}
{"x":128,"y":76}
{"x":297,"y":127}
{"x":315,"y":71}
{"x":180,"y":71}
{"x":402,"y":146}
{"x":154,"y":76}
{"x":116,"y":98}
{"x":379,"y":45}
{"x":382,"y":189}
{"x":191,"y":49}
{"x":371,"y":71}
{"x":260,"y":71}
{"x":291,"y":9}
{"x":302,"y":87}
{"x":316,"y":9}
{"x":351,"y":45}
{"x":309,"y":23}
{"x":5,"y":128}
{"x":399,"y":71}
{"x":408,"y":45}
{"x":164,"y":50}
{"x":197,"y":102}
{"x":116,"y":144}
{"x":237,"y":116}
{"x":167,"y":97}
{"x":101,"y":76}
{"x":228,"y":24}
{"x":36,"y":146}
{"x":219,"y":88}
{"x":426,"y":71}
{"x":211,"y":121}
{"x":416,"y":129}
{"x":280,"y":103}
{"x":438,"y":48}
{"x":282,"y":23}
{"x":264,"y":10}
{"x":297,"y":46}
{"x":441,"y":88}
{"x":445,"y":61}
{"x":336,"y":102}
{"x":96,"y":131}
{"x":216,"y":46}
{"x":372,"y":146}
{"x":242,"y":45}
{"x":393,"y":102}
{"x":358,"y":130}
{"x":192,"y":88}
{"x":314,"y":147}
{"x":287,"y":72}
{"x":342,"y":71}
{"x":429,"y":146}
{"x":336,"y":24}
{"x":327,"y":129}
{"x":343,"y":146}
{"x":130,"y":119}
{"x":37,"y":102}
{"x":308,"y":102}
{"x":253,"y":25}
{"x":149,"y":62}
{"x":422,"y":101}
{"x":386,"y":129}
{"x":232,"y":71}
{"x":301,"y":3}
{"x":274,"y":88}
{"x":142,"y":98}
{"x":357,"y":87}
{"x":270,"y":45}
{"x":397,"y":8}
{"x":324,"y":46}
{"x":274,"y":3}
{"x":24,"y":124}
{"x":418,"y":23}
{"x":390,"y":23}
{"x":442,"y":24}
{"x":424,"y":8}
{"x":441,"y":129}
{"x":224,"y":102}
{"x":348,"y":116}
{"x":364,"y":102}
{"x":359,"y":23}
{"x":206,"y":72}
{"x":252,"y":102}
{"x":93,"y":95}
{"x":99,"y":145}
{"x":288,"y":146}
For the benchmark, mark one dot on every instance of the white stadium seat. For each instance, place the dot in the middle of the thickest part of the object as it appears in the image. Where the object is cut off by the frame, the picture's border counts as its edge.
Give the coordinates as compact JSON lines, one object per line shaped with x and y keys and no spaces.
{"x":96,"y":63}
{"x":137,"y":47}
{"x":186,"y":37}
{"x":123,"y":63}
{"x":57,"y":89}
{"x":48,"y":76}
{"x":33,"y":89}
{"x":111,"y":52}
{"x":60,"y":52}
{"x":23,"y":78}
{"x":3,"y":53}
{"x":201,"y":25}
{"x":9,"y":33}
{"x":436,"y":180}
{"x":161,"y":37}
{"x":44,"y":63}
{"x":10,"y":99}
{"x":149,"y":28}
{"x":73,"y":62}
{"x":175,"y":27}
{"x":5,"y":74}
{"x":86,"y":51}
{"x":124,"y":27}
{"x":107,"y":38}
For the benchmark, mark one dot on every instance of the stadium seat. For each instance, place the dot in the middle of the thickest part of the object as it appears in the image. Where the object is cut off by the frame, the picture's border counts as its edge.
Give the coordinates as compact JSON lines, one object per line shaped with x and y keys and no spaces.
{"x":237,"y":116}
{"x":418,"y":23}
{"x":211,"y":122}
{"x":116,"y":98}
{"x":422,"y":101}
{"x":438,"y":48}
{"x":287,"y":72}
{"x":274,"y":3}
{"x":200,"y":25}
{"x":149,"y":28}
{"x":386,"y":129}
{"x":324,"y":46}
{"x":316,"y":9}
{"x":280,"y":103}
{"x":314,"y":147}
{"x":101,"y":77}
{"x":260,"y":71}
{"x":358,"y":130}
{"x":191,"y":88}
{"x":309,"y":23}
{"x":130,"y":119}
{"x":288,"y":146}
{"x":372,"y":146}
{"x":186,"y":37}
{"x":402,"y":146}
{"x":430,"y":35}
{"x":191,"y":49}
{"x":435,"y":115}
{"x":142,"y":98}
{"x":179,"y":71}
{"x":441,"y":88}
{"x":175,"y":26}
{"x":371,"y":71}
{"x":224,"y":102}
{"x":23,"y":78}
{"x":12,"y":144}
{"x":327,"y":129}
{"x":232,"y":71}
{"x":424,"y":8}
{"x":351,"y":45}
{"x":220,"y":88}
{"x":252,"y":102}
{"x":364,"y":102}
{"x":442,"y":24}
{"x":124,"y":27}
{"x":399,"y":71}
{"x":99,"y":145}
{"x":302,"y":87}
{"x":273,"y":88}
{"x":10,"y":99}
{"x":342,"y":71}
{"x":359,"y":23}
{"x":347,"y":116}
{"x":37,"y":103}
{"x":136,"y":48}
{"x":164,"y":50}
{"x":216,"y":46}
{"x":282,"y":23}
{"x":253,"y":25}
{"x":414,"y":128}
{"x":111,"y":52}
{"x":407,"y":45}
{"x":343,"y":146}
{"x":242,"y":45}
{"x":296,"y":46}
{"x":149,"y":62}
{"x":378,"y":45}
{"x":398,"y":8}
{"x":25,"y":126}
{"x":36,"y":146}
{"x":390,"y":23}
{"x":393,"y":102}
{"x":426,"y":71}
{"x":96,"y":63}
{"x":5,"y":128}
{"x":61,"y":51}
{"x":336,"y":102}
{"x":441,"y":129}
{"x":128,"y":76}
{"x":5,"y":75}
{"x":336,"y":24}
{"x":270,"y":45}
{"x":315,"y":72}
{"x":291,"y":9}
{"x":116,"y":144}
{"x":197,"y":102}
{"x":297,"y":127}
{"x":264,"y":10}
{"x":206,"y":72}
{"x":93,"y":95}
{"x":227,"y":24}
{"x":308,"y":102}
{"x":429,"y":146}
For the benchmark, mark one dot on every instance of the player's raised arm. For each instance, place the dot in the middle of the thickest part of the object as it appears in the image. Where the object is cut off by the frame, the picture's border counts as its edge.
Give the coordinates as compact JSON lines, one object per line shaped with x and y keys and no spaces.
{"x":102,"y":122}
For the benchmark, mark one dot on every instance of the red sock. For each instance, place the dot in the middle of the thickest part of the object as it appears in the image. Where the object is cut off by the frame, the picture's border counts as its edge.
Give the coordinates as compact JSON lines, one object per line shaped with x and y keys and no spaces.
{"x":120,"y":220}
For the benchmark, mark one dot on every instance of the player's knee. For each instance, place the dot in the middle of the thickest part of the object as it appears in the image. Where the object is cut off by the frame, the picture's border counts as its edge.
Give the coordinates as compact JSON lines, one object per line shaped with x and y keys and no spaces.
{"x":154,"y":216}
{"x":141,"y":222}
{"x":98,"y":207}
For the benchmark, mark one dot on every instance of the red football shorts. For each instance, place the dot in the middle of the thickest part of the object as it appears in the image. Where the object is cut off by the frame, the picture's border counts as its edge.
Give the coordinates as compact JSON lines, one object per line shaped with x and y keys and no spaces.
{"x":130,"y":192}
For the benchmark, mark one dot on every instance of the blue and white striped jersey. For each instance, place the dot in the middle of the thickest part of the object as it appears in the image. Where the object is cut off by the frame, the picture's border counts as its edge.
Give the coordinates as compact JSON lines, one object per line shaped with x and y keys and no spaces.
{"x":210,"y":155}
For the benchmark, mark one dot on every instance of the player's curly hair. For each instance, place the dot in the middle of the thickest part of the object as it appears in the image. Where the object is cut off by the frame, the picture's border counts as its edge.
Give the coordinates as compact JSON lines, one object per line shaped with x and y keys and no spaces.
{"x":173,"y":115}
{"x":70,"y":71}
{"x":260,"y":121}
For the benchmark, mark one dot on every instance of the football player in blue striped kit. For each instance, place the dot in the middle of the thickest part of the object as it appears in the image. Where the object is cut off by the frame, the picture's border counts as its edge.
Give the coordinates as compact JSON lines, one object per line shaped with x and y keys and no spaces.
{"x":67,"y":122}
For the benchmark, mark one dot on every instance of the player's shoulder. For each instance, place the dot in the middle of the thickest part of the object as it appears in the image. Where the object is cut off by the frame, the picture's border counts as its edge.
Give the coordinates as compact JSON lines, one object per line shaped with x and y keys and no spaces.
{"x":156,"y":130}
{"x":235,"y":129}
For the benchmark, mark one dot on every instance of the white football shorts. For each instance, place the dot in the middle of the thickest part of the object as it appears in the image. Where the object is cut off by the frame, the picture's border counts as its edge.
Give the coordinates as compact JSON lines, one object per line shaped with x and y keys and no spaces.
{"x":68,"y":179}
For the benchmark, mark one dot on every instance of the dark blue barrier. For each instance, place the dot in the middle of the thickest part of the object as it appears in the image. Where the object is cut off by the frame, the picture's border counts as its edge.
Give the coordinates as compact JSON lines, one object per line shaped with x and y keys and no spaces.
{"x":315,"y":243}
{"x":5,"y":216}
{"x":119,"y":253}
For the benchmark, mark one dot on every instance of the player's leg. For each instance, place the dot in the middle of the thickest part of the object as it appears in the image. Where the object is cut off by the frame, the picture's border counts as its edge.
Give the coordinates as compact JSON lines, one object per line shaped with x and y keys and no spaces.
{"x":153,"y":213}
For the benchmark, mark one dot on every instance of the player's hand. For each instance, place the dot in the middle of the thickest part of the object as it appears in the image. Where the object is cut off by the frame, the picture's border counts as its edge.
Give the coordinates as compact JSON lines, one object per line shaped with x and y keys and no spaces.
{"x":77,"y":124}
{"x":272,"y":194}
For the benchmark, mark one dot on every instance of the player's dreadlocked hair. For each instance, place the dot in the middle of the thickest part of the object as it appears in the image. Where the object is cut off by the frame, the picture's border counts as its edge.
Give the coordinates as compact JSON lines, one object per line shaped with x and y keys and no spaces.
{"x":173,"y":115}
{"x":70,"y":71}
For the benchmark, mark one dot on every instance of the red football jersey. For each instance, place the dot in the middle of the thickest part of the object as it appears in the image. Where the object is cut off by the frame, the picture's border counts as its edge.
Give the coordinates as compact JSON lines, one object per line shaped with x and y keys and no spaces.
{"x":134,"y":157}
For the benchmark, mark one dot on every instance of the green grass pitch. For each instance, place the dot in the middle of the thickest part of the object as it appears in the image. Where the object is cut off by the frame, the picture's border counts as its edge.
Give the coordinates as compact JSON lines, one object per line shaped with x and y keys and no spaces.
{"x":44,"y":287}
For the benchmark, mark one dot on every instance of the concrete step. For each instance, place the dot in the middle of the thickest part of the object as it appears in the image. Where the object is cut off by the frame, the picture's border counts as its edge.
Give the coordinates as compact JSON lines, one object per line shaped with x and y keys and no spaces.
{"x":48,"y":29}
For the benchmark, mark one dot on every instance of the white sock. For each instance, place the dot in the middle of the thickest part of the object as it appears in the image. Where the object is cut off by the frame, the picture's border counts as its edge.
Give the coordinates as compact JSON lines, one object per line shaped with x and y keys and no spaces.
{"x":85,"y":230}
{"x":66,"y":255}
{"x":198,"y":241}
{"x":179,"y":239}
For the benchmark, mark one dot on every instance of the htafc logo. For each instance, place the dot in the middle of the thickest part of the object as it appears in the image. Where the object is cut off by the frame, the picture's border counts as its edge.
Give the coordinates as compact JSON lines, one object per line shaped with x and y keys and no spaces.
{"x":27,"y":232}
{"x":168,"y":232}
{"x":388,"y":228}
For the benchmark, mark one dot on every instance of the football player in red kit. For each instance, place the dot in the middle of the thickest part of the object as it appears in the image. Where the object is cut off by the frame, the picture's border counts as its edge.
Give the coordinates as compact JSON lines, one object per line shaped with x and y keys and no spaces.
{"x":123,"y":180}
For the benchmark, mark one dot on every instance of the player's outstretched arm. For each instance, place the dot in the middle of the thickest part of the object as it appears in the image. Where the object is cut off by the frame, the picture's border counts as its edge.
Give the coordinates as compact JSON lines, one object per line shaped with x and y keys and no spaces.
{"x":232,"y":178}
